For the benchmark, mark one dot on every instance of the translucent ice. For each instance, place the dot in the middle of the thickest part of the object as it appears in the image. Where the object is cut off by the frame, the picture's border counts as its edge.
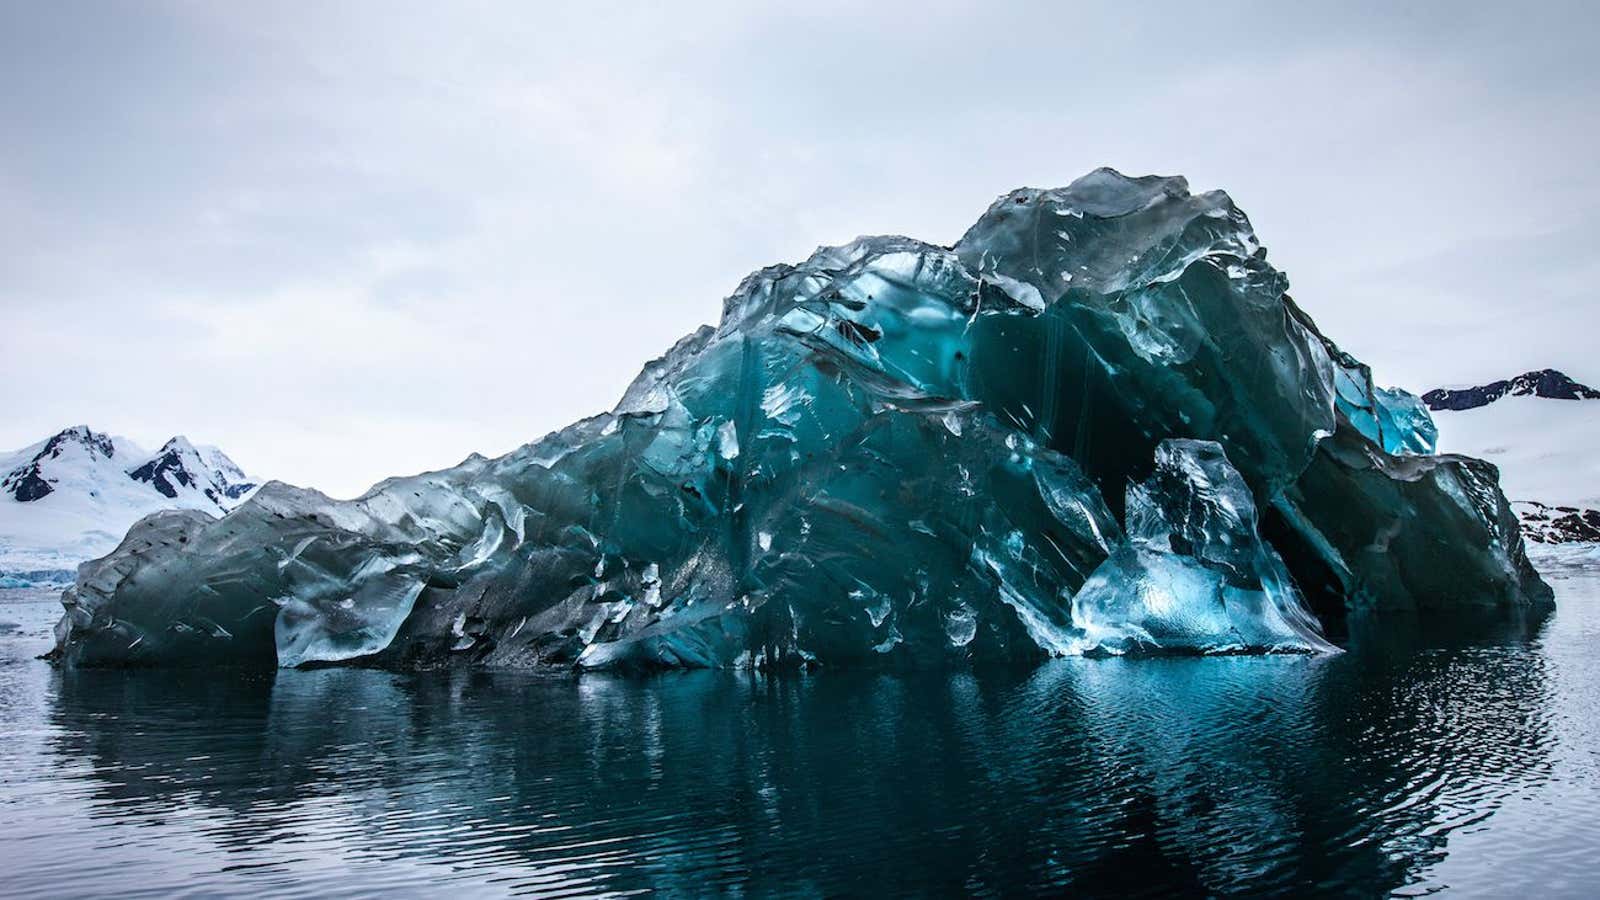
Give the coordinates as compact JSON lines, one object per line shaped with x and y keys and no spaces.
{"x":1194,"y":574}
{"x":891,"y":452}
{"x":1393,"y":419}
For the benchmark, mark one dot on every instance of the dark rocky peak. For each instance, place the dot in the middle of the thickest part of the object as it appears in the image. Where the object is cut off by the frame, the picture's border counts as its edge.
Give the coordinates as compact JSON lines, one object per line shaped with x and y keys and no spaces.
{"x":177,"y":464}
{"x":1546,"y":383}
{"x":78,"y":435}
{"x":29,"y":481}
{"x":180,"y":465}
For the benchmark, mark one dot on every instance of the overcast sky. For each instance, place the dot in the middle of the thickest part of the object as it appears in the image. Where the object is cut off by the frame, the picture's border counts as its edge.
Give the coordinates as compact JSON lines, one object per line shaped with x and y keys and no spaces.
{"x":349,"y":240}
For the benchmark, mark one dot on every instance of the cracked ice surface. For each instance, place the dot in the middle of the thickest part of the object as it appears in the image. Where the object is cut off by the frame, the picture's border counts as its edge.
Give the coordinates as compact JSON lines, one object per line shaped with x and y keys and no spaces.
{"x":1194,"y":573}
{"x":890,"y":452}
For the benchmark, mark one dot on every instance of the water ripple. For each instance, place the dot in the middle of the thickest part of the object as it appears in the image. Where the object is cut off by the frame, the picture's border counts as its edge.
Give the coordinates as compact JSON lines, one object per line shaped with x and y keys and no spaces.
{"x":1420,"y":760}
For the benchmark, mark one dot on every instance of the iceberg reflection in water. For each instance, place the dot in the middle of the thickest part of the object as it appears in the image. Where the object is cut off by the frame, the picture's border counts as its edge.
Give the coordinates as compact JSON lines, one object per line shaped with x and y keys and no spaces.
{"x":1367,"y":770}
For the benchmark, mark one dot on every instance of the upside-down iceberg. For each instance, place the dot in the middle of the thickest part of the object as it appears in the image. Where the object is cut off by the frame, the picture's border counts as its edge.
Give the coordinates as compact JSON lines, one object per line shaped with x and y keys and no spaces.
{"x":1096,"y":424}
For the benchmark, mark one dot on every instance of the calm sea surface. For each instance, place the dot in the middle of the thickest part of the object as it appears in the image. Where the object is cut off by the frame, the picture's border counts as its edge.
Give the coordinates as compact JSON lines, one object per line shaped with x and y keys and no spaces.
{"x":1420,"y":760}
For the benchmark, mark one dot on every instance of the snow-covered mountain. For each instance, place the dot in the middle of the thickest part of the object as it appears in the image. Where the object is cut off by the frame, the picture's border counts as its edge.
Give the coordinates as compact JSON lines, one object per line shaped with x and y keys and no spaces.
{"x":180,"y":469}
{"x":73,"y":496}
{"x":1546,"y":383}
{"x":1543,"y":430}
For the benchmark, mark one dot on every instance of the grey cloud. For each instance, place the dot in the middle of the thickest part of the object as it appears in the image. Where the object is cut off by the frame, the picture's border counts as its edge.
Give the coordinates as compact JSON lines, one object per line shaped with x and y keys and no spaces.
{"x":401,"y":235}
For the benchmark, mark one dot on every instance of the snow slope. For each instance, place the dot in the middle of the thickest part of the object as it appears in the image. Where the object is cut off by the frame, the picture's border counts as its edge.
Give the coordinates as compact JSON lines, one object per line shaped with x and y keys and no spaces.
{"x":1547,"y":450}
{"x":73,"y":496}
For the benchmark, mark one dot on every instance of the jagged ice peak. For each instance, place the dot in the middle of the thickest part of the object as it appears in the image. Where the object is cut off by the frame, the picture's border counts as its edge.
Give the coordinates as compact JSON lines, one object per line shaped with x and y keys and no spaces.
{"x":1096,"y":424}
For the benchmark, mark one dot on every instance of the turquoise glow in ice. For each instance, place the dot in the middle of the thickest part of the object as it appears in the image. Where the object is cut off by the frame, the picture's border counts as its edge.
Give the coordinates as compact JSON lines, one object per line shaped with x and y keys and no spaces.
{"x":1194,"y":573}
{"x":891,"y":452}
{"x":1397,"y":421}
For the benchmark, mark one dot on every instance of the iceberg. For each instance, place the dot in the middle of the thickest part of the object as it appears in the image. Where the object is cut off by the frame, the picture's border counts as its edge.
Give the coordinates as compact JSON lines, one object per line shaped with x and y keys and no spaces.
{"x":1098,"y":423}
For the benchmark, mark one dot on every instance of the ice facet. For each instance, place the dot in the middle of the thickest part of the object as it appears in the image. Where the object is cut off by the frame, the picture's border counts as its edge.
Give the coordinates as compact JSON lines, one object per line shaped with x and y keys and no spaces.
{"x":1194,"y":574}
{"x":889,"y":453}
{"x":1163,"y":319}
{"x":1393,"y":419}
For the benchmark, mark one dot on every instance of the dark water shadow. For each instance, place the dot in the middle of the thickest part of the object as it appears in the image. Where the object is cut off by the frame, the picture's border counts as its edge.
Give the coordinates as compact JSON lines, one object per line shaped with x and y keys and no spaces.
{"x":1114,"y":777}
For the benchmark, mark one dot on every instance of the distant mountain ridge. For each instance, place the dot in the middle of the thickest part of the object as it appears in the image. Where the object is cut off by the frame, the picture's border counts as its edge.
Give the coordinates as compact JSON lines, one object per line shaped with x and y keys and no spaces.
{"x":73,"y":496}
{"x":1547,"y":383}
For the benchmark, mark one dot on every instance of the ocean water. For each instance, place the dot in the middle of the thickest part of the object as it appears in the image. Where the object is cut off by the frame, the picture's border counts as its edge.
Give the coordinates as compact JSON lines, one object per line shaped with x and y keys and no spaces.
{"x":1425,"y":758}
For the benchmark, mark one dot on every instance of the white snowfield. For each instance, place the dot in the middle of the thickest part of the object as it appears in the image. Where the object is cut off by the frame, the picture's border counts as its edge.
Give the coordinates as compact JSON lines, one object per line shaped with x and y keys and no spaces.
{"x":1546,"y":449}
{"x":94,"y":498}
